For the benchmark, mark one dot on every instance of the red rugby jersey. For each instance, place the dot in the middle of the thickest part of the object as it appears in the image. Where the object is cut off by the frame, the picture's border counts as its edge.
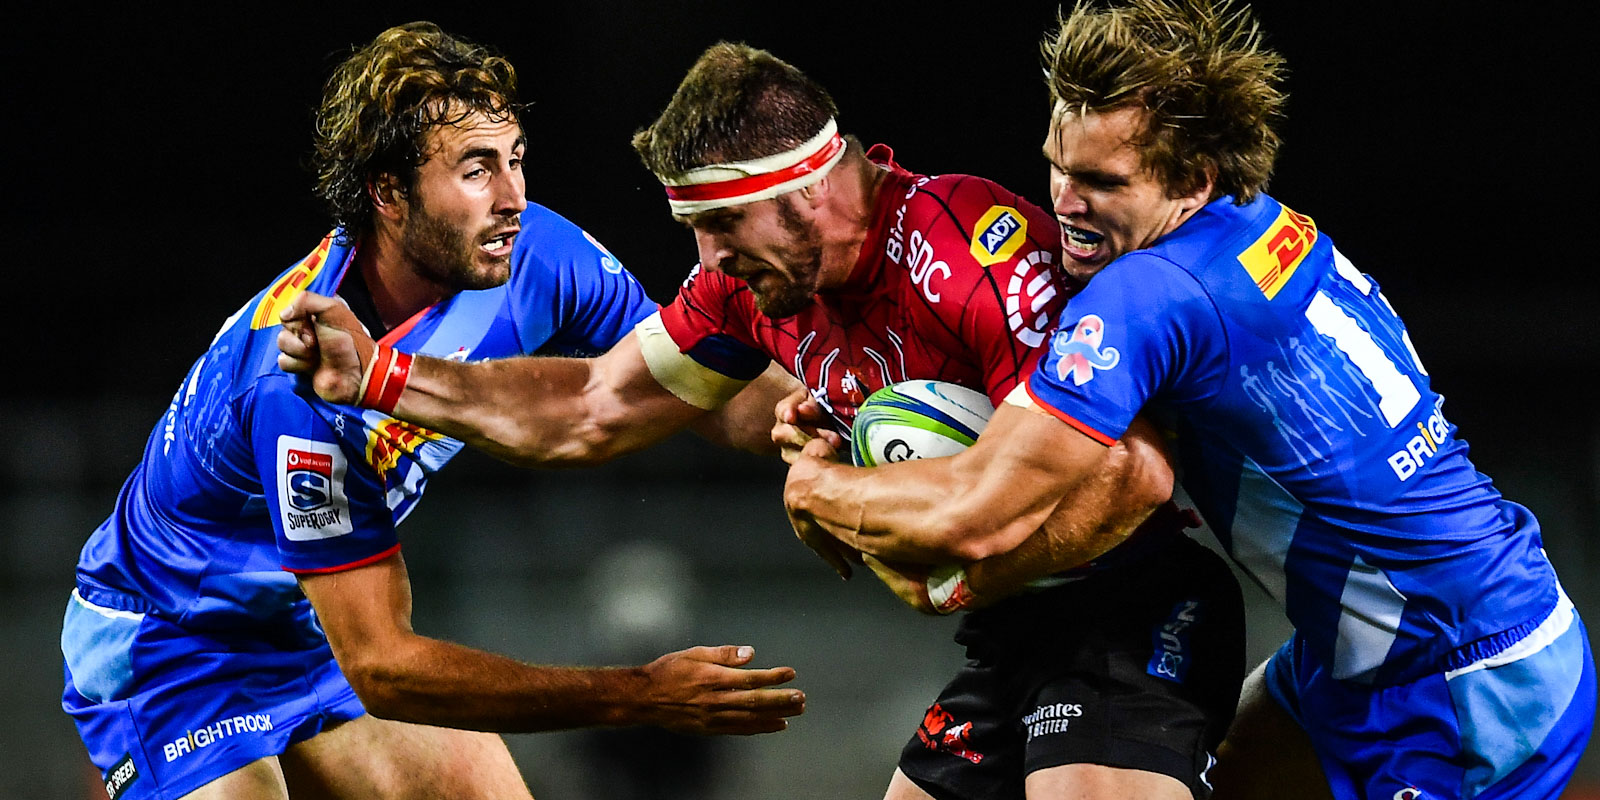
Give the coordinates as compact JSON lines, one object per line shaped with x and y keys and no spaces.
{"x":957,"y":281}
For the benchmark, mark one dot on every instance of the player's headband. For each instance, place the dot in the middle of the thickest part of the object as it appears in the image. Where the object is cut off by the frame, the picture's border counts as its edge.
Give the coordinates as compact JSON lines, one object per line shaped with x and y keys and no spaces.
{"x":722,"y":185}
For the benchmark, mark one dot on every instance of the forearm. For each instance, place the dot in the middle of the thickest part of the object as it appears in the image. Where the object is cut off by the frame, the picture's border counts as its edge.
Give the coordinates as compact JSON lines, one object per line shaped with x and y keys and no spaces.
{"x":1117,"y":497}
{"x":745,"y":421}
{"x":929,"y":512}
{"x":1077,"y":533}
{"x":433,"y":682}
{"x":546,"y":412}
{"x":519,"y":410}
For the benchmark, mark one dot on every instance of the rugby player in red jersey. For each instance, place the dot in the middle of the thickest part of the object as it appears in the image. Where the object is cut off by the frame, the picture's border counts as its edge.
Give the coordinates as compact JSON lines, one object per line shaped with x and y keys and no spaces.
{"x":852,"y":273}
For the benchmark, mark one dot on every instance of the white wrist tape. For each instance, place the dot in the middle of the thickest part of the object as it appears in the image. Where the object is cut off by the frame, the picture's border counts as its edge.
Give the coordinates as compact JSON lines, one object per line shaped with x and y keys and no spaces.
{"x":947,"y":589}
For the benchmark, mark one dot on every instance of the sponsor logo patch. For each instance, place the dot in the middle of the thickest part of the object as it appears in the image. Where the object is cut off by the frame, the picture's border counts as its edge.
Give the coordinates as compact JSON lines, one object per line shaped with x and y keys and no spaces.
{"x":121,"y":775}
{"x":1274,"y":257}
{"x":211,"y":734}
{"x":940,"y":731}
{"x":1000,"y":231}
{"x":311,"y":493}
{"x":1171,"y":658}
{"x":1079,"y":352}
{"x":1053,"y":718}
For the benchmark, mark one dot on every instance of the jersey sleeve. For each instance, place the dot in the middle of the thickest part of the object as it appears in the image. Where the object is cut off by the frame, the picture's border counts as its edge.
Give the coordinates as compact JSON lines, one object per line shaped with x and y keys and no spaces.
{"x":569,"y":295}
{"x":327,"y":506}
{"x":709,"y":321}
{"x":1131,"y":335}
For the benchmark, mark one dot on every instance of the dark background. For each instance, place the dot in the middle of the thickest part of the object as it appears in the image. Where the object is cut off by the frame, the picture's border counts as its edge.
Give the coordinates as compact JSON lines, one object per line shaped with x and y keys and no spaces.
{"x":154,"y":180}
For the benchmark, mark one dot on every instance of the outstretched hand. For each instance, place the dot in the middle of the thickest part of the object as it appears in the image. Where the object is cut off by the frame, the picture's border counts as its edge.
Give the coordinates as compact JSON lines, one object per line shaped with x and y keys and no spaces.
{"x":705,"y":690}
{"x":321,"y":337}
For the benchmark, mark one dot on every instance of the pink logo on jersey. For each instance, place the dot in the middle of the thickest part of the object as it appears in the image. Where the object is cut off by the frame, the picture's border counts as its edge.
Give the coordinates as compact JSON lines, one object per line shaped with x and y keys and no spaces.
{"x":1079,"y":353}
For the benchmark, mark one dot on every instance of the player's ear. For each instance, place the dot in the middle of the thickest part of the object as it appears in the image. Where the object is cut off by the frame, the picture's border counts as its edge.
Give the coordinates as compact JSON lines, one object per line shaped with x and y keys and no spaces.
{"x":388,"y":195}
{"x":1200,"y":193}
{"x":812,"y":196}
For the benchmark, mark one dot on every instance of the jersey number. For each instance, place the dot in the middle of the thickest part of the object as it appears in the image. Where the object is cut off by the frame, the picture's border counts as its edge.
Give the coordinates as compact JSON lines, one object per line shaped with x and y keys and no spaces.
{"x":1397,"y":393}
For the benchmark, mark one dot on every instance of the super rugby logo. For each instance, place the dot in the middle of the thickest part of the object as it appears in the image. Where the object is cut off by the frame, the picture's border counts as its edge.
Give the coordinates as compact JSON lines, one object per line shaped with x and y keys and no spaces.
{"x":1079,"y":353}
{"x":1000,"y":231}
{"x":311,"y":496}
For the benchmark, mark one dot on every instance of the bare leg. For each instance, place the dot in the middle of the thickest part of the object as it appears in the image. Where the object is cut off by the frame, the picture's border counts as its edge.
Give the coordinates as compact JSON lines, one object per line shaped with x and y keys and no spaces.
{"x":369,"y":757}
{"x":258,"y":780}
{"x":1097,"y":782}
{"x":1265,"y":751}
{"x":901,"y":788}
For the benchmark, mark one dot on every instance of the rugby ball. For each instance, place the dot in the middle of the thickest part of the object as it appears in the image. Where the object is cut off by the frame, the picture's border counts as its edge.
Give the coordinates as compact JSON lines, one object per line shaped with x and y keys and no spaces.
{"x":917,"y":419}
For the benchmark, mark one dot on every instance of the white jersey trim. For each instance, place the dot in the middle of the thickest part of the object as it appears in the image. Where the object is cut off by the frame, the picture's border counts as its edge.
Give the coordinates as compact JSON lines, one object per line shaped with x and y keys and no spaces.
{"x":1559,"y":621}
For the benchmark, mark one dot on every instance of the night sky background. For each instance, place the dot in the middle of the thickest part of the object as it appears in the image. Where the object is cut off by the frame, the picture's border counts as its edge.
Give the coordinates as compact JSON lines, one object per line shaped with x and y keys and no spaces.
{"x":155,"y":173}
{"x":154,"y":179}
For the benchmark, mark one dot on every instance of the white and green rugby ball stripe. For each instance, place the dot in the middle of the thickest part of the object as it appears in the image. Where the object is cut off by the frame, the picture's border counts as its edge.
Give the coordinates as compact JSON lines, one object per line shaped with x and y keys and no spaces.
{"x":917,"y":419}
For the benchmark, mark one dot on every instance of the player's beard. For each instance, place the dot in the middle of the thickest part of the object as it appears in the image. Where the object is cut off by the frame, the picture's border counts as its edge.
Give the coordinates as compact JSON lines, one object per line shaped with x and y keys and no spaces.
{"x":802,"y":257}
{"x":447,"y":256}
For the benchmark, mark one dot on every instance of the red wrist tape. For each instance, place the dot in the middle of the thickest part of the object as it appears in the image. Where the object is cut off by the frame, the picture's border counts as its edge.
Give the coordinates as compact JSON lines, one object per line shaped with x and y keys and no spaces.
{"x":386,"y":379}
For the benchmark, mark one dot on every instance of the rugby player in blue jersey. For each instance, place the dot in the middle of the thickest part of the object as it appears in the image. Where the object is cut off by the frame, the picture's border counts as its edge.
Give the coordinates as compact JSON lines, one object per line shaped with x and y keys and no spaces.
{"x":240,"y":625}
{"x":1435,"y":654}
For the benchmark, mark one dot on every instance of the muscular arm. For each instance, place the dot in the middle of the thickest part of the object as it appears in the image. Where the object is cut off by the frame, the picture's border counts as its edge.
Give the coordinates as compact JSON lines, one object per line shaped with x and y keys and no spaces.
{"x":746,"y":421}
{"x":1026,"y":470}
{"x":1133,"y":480}
{"x":548,"y":411}
{"x":529,"y":411}
{"x":398,"y":674}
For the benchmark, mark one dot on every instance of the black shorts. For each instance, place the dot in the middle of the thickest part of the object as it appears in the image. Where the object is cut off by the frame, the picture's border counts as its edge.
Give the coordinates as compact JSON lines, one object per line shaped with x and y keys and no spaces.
{"x":1137,"y":666}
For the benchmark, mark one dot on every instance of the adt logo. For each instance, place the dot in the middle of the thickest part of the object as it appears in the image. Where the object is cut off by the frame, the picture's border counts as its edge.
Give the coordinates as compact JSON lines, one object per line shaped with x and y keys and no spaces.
{"x":310,"y":480}
{"x":1079,"y":351}
{"x":1000,"y":231}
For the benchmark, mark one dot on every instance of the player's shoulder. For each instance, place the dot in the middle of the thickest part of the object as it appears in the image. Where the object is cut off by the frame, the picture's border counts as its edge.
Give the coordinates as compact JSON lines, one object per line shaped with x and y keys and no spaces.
{"x":551,"y":241}
{"x":244,"y":347}
{"x":968,"y":200}
{"x":1248,"y":251}
{"x":973,"y":221}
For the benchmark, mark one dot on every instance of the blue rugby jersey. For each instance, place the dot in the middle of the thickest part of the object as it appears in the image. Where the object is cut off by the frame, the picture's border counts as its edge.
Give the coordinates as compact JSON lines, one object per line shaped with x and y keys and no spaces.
{"x":1308,"y":437}
{"x":250,"y":474}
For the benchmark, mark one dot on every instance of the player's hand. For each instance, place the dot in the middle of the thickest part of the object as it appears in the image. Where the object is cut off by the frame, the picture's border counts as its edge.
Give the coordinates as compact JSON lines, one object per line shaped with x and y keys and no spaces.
{"x":909,"y":582}
{"x":801,"y":471}
{"x":321,"y":337}
{"x":800,"y":419}
{"x":704,"y":690}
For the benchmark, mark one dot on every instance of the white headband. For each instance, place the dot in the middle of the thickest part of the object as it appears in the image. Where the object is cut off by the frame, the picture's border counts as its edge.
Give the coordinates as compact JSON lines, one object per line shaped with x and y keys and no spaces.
{"x":722,"y":185}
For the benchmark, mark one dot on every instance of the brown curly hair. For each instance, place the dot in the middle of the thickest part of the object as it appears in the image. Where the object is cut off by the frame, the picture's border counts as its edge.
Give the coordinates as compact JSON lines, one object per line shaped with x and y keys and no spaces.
{"x":736,"y":103}
{"x":379,"y":106}
{"x":1210,"y":87}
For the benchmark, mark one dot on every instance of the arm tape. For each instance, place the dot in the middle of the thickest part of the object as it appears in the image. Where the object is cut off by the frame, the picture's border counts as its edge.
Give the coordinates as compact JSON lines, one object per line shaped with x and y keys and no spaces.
{"x":692,"y":382}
